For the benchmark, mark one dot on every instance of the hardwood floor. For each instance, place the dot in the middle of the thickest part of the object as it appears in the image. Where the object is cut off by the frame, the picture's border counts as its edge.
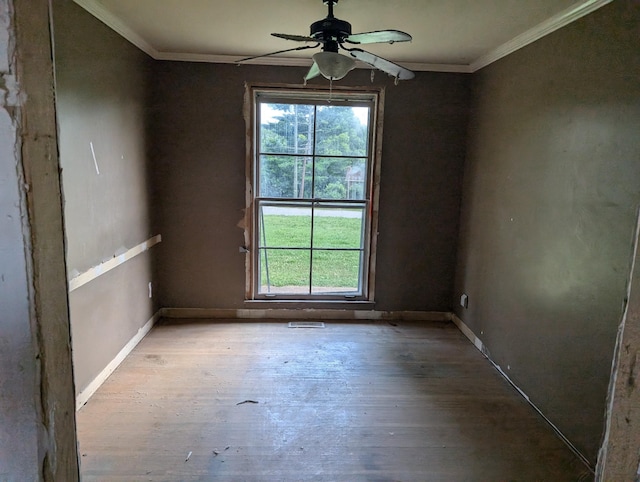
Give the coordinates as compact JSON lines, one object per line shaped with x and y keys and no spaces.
{"x":352,"y":401}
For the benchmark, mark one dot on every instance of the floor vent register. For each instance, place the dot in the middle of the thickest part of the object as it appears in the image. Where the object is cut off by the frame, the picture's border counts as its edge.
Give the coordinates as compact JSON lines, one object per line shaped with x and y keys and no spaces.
{"x":306,"y":324}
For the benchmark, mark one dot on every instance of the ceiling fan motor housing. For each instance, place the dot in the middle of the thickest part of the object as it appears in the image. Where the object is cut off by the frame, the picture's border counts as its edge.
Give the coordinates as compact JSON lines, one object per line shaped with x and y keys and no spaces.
{"x":332,"y":32}
{"x":330,"y":28}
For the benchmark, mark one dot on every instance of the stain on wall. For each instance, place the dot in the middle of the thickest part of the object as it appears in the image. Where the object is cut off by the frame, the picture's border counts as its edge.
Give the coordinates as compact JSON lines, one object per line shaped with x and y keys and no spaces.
{"x":101,"y":101}
{"x":551,"y":187}
{"x":198,"y":133}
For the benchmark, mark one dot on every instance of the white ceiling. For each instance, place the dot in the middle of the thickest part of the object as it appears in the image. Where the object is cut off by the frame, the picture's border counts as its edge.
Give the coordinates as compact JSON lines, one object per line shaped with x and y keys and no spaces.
{"x":448,"y":35}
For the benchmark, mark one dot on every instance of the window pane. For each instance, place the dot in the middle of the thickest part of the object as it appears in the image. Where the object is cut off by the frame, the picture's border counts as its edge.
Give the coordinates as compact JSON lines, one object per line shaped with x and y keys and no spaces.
{"x":339,"y":178}
{"x":281,"y":176}
{"x":338,"y":227}
{"x":285,"y":227}
{"x":335,"y":271}
{"x":284,"y":271}
{"x":286,"y":128}
{"x":342,"y":130}
{"x":311,"y":190}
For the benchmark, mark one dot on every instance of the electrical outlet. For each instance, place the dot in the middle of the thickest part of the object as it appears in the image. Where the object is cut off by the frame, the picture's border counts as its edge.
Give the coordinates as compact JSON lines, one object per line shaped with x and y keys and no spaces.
{"x":464,"y":301}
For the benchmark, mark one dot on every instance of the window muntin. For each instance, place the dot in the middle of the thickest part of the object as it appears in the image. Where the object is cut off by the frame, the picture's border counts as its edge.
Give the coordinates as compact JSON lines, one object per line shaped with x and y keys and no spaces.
{"x":312,"y":174}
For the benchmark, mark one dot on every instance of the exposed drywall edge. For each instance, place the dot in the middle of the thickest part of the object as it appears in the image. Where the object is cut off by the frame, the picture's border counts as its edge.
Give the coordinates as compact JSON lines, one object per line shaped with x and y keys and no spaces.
{"x":22,"y":440}
{"x":247,"y":221}
{"x":613,"y":453}
{"x":92,"y":273}
{"x":571,"y":14}
{"x":96,"y":9}
{"x":36,"y":111}
{"x":84,"y":396}
{"x":374,"y":214}
{"x":304,"y":314}
{"x":477,"y":342}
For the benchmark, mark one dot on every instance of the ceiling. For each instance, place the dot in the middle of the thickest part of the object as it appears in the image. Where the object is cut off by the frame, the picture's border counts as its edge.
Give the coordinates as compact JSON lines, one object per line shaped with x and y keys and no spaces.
{"x":448,"y":35}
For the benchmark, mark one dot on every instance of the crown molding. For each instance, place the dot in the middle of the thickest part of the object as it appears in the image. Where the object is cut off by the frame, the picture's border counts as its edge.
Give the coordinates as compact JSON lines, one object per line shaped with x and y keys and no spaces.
{"x":571,"y":14}
{"x":95,"y":8}
{"x":424,"y":67}
{"x":298,"y":62}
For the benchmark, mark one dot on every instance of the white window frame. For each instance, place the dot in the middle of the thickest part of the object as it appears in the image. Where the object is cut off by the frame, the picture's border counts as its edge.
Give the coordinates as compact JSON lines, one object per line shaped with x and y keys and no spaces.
{"x":374,"y":97}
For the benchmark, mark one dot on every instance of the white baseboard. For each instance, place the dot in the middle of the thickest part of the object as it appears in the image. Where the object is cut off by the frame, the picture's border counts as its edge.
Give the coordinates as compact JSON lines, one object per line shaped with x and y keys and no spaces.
{"x":303,"y":314}
{"x":84,"y":396}
{"x":477,"y":342}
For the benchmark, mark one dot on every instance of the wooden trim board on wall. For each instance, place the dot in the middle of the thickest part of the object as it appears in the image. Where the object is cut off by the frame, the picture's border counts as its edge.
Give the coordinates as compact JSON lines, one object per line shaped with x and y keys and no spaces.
{"x":92,"y":273}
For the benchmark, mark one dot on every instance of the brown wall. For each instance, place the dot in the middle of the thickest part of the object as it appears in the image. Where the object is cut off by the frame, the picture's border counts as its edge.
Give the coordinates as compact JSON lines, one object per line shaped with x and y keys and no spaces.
{"x":551,"y":187}
{"x":199,"y":167}
{"x":101,"y":99}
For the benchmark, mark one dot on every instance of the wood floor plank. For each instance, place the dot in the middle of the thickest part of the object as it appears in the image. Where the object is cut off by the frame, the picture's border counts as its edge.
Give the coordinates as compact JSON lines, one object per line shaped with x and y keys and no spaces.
{"x":351,"y":401}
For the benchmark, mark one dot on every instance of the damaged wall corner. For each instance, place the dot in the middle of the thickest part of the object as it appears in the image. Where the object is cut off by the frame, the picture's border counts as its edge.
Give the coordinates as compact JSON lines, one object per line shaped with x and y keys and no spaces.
{"x":18,"y":411}
{"x":619,"y":457}
{"x":37,"y":418}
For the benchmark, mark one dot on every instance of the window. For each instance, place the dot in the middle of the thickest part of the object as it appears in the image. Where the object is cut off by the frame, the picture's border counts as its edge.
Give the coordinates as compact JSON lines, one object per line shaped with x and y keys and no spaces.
{"x":313,"y":171}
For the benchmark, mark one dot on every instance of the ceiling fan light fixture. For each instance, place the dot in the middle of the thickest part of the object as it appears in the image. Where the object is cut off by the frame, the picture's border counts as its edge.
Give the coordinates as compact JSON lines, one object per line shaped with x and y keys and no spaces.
{"x":332,"y":33}
{"x":333,"y":65}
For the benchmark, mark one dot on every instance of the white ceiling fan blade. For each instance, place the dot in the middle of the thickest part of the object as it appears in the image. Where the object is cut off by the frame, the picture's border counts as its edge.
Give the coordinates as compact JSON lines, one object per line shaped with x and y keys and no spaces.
{"x":296,"y":38}
{"x":379,"y":36}
{"x":394,"y":70}
{"x":314,"y":71}
{"x":278,"y":52}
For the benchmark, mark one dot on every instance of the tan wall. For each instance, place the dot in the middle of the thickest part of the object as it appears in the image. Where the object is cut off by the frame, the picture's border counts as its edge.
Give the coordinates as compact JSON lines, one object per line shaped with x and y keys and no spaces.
{"x":552,"y":184}
{"x":101,"y":100}
{"x":199,"y":166}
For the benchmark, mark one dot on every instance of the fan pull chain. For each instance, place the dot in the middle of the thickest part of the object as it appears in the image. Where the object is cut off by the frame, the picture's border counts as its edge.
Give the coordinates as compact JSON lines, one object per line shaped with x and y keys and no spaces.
{"x":330,"y":89}
{"x":373,"y":74}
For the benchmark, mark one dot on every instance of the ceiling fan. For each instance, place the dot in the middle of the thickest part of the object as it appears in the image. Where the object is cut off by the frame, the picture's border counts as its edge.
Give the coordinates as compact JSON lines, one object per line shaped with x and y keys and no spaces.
{"x":333,"y":35}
